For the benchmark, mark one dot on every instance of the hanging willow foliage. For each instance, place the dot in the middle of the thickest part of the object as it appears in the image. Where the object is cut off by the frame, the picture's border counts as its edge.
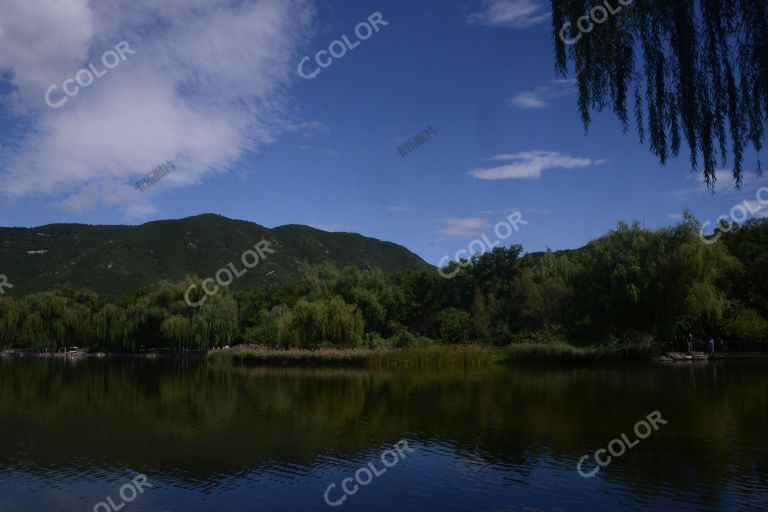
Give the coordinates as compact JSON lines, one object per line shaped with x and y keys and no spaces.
{"x":313,"y":322}
{"x":702,"y":75}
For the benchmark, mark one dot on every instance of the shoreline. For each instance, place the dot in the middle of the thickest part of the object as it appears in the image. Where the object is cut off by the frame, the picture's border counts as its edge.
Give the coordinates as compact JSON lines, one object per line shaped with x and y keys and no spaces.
{"x":467,"y":356}
{"x":102,"y":355}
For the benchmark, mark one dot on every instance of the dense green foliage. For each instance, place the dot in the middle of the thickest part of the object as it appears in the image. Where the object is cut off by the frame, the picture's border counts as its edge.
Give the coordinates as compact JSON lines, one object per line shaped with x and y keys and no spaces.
{"x":693,"y":71}
{"x":618,"y":292}
{"x":118,"y":260}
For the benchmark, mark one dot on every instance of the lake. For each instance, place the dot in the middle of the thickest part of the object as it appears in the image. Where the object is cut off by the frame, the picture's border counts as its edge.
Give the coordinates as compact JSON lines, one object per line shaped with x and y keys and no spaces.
{"x":175,"y":435}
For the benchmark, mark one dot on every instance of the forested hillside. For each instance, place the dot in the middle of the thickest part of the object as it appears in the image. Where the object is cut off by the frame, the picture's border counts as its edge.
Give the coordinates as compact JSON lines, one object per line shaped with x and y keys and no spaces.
{"x":630,"y":284}
{"x":119,"y":260}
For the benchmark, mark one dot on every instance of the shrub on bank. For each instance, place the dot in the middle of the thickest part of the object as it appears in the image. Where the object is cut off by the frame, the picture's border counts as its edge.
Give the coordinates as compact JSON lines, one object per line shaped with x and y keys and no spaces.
{"x":565,"y":352}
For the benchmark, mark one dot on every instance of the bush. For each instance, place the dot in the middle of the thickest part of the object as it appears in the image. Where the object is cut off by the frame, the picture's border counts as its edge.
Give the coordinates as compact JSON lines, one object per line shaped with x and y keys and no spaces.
{"x":455,"y":325}
{"x":545,"y":335}
{"x":747,"y":325}
{"x":371,"y":340}
{"x":402,"y":339}
{"x":422,"y":341}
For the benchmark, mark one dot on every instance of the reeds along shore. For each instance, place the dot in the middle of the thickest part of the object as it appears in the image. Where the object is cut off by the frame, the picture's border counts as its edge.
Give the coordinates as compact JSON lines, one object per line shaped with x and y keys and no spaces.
{"x":459,"y":356}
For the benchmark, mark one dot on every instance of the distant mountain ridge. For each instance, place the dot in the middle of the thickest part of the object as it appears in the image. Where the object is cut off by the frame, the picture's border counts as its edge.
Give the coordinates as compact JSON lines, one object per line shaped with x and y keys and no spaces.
{"x":119,"y":260}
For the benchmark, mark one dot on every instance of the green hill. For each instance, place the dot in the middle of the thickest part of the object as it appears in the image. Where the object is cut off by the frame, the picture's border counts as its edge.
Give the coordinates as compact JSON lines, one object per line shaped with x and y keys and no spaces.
{"x":119,"y":260}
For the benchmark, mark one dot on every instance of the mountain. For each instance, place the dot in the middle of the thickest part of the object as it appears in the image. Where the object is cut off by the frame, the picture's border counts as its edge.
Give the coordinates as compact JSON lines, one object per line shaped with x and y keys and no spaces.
{"x":119,"y":260}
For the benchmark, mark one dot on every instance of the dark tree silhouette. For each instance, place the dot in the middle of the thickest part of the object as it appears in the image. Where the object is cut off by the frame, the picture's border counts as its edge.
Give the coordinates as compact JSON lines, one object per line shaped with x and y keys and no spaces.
{"x":690,"y":69}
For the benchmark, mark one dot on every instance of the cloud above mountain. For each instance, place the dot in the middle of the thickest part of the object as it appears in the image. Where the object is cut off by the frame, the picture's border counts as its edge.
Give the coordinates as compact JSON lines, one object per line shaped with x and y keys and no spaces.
{"x":511,"y":13}
{"x":529,"y":165}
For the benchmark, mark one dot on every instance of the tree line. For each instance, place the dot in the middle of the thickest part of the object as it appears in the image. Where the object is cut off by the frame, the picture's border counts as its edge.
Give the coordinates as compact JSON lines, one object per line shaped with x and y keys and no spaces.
{"x":632,"y":283}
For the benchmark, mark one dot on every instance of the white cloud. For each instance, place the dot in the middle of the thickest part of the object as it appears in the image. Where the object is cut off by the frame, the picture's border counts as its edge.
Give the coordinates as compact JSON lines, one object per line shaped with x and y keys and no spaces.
{"x":193,"y":92}
{"x":542,"y":96}
{"x":511,"y":13}
{"x":529,"y":165}
{"x":467,"y":226}
{"x":529,"y":99}
{"x":724,"y":185}
{"x":44,"y":41}
{"x":675,"y":216}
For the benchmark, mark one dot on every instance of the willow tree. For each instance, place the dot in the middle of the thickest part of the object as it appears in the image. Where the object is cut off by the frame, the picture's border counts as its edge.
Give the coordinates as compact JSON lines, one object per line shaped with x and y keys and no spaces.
{"x":312,"y":322}
{"x":688,"y":70}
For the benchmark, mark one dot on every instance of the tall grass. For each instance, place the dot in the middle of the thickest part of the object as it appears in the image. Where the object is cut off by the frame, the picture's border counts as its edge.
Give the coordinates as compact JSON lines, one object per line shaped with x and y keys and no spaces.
{"x":264,"y":356}
{"x":437,"y":356}
{"x":433,"y":356}
{"x":565,"y":352}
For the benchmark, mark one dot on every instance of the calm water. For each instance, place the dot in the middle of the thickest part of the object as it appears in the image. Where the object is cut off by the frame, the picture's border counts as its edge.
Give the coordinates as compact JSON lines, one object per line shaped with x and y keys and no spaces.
{"x":74,"y":433}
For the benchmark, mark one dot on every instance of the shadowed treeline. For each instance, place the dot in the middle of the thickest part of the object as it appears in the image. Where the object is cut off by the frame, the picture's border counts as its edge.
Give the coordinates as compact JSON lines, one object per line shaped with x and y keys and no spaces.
{"x":619,"y":291}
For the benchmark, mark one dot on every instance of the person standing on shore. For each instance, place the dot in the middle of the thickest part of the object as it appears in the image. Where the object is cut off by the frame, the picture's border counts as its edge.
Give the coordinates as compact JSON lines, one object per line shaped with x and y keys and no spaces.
{"x":711,"y":346}
{"x":690,"y":343}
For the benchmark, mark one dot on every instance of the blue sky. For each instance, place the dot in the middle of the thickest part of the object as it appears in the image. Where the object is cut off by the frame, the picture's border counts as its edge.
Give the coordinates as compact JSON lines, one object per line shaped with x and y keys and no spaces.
{"x":214,"y":87}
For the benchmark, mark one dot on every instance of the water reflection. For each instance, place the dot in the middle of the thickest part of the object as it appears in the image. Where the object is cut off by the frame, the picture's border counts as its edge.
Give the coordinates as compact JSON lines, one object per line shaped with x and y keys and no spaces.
{"x":503,"y":439}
